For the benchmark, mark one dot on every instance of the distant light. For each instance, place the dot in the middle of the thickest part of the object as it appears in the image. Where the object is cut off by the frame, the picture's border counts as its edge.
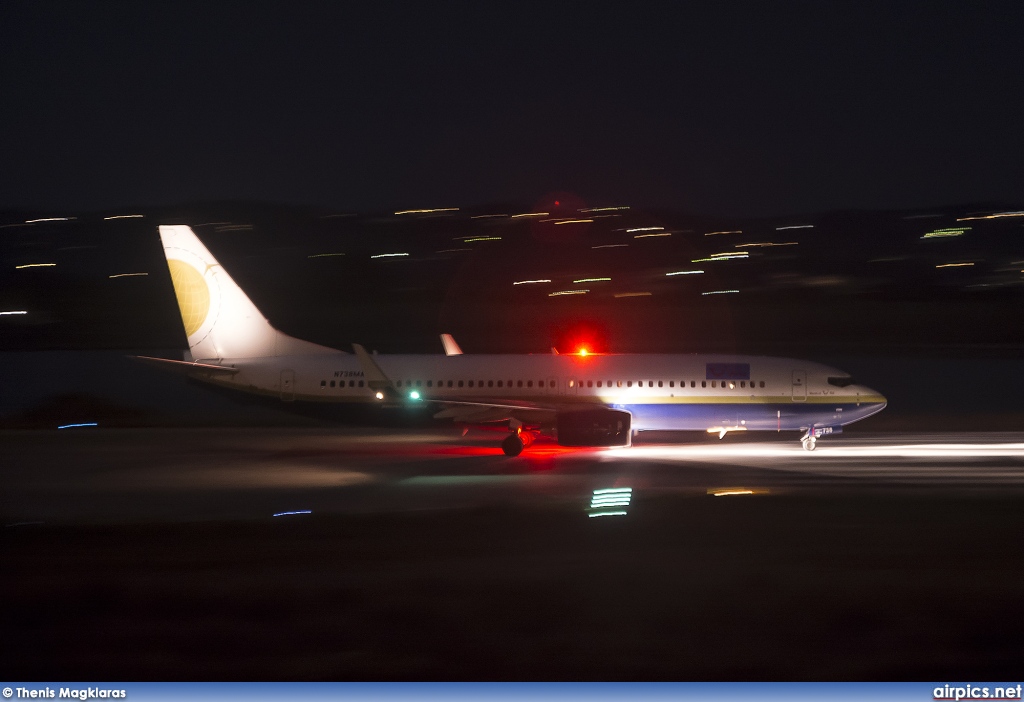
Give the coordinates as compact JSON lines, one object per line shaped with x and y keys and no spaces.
{"x":414,"y":395}
{"x":324,"y":255}
{"x":13,"y":312}
{"x":719,"y":292}
{"x":795,"y":226}
{"x":296,"y":511}
{"x":49,"y":219}
{"x":608,"y":246}
{"x":126,"y":275}
{"x":568,"y":292}
{"x":574,"y":221}
{"x":633,"y":294}
{"x":726,"y":493}
{"x":583,"y":352}
{"x":996,"y":215}
{"x":645,"y":229}
{"x":722,"y":257}
{"x":604,"y":209}
{"x":592,"y":280}
{"x":695,"y":272}
{"x":947,"y":232}
{"x":488,"y":216}
{"x":767,"y":243}
{"x":379,"y":395}
{"x":484,"y":238}
{"x":557,"y":203}
{"x":35,"y":265}
{"x":134,"y":216}
{"x":82,"y":424}
{"x":646,"y":236}
{"x":437,"y":209}
{"x":531,"y":214}
{"x":954,"y":265}
{"x":607,"y":514}
{"x":531,"y":282}
{"x":734,"y":231}
{"x":389,"y":255}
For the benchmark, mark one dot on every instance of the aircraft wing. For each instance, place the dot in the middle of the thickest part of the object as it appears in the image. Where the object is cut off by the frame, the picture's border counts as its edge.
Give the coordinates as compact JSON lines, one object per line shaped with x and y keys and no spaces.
{"x":496,"y":411}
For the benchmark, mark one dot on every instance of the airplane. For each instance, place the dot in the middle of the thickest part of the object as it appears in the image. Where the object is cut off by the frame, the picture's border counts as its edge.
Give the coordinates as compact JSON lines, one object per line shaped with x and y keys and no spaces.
{"x":578,"y":399}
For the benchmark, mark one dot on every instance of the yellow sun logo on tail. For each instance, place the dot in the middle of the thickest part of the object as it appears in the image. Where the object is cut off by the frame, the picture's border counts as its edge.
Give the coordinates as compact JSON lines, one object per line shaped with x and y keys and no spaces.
{"x":192,"y":293}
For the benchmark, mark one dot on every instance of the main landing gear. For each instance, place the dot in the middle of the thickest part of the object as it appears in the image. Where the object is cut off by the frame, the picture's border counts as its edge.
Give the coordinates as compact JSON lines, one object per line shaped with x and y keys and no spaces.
{"x":515,"y":442}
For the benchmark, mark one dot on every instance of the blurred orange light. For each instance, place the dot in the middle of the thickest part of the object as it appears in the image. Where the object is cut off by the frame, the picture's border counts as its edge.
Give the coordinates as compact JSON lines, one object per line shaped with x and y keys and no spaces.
{"x":583,"y":352}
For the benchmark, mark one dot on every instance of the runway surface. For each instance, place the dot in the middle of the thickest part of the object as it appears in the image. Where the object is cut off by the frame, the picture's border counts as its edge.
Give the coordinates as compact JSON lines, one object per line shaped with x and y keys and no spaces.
{"x":96,"y":475}
{"x":404,"y":555}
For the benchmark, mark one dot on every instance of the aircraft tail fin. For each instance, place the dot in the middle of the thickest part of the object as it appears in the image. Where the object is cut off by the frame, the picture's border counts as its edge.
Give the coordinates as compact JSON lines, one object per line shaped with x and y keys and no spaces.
{"x":219,"y":318}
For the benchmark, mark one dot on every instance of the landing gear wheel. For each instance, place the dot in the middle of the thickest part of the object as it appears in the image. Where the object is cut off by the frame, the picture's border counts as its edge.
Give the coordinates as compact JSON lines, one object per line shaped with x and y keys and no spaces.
{"x":512,"y":445}
{"x":809,"y":443}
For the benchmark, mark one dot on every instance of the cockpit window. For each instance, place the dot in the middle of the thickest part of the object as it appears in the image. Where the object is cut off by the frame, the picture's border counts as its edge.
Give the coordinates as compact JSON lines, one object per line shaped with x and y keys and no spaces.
{"x":840,"y":381}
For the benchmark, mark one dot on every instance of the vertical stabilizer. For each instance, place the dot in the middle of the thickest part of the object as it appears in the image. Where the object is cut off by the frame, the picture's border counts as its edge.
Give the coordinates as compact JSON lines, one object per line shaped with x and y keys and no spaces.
{"x":220,"y":320}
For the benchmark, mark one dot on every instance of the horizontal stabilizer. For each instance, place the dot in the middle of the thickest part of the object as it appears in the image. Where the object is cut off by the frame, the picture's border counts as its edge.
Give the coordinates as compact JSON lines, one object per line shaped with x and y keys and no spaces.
{"x":187,"y":367}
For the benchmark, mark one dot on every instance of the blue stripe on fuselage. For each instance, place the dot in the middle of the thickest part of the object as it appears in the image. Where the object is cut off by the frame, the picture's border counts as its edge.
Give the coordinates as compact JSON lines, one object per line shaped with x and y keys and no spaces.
{"x":755,"y":417}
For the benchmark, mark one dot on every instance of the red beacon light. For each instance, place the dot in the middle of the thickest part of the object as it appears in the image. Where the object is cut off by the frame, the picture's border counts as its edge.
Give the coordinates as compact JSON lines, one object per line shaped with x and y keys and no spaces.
{"x":583,"y":351}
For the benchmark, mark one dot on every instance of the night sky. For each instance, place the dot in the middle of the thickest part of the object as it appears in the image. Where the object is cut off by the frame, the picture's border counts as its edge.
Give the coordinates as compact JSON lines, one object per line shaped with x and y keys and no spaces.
{"x":717,"y":107}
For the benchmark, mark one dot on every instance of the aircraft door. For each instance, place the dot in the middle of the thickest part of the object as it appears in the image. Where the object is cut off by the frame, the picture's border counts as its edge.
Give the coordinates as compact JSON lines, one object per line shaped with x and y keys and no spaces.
{"x":288,"y":385}
{"x":799,"y":386}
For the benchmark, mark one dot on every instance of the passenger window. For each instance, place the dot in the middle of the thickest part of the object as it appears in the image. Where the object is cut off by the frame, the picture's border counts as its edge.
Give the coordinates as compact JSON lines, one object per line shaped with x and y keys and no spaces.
{"x":732,"y":385}
{"x":490,"y":383}
{"x":714,"y":383}
{"x":650,"y":383}
{"x":509,"y":384}
{"x":332,"y":383}
{"x":629,"y":383}
{"x":661,"y":384}
{"x":351,"y":383}
{"x":572,"y":383}
{"x":551,"y":384}
{"x":323,"y":383}
{"x":479,"y":383}
{"x":360,"y":383}
{"x":703,"y":383}
{"x":461,"y":382}
{"x":430,"y":383}
{"x":743,"y":383}
{"x":419,"y":383}
{"x":599,"y":383}
{"x":519,"y":383}
{"x":471,"y":383}
{"x":529,"y":383}
{"x":449,"y":383}
{"x":590,"y":383}
{"x":499,"y":384}
{"x":762,"y":383}
{"x":618,"y":383}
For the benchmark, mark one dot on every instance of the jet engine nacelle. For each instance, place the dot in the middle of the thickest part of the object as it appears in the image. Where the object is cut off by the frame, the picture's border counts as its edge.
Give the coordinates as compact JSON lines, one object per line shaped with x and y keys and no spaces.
{"x":593,"y":427}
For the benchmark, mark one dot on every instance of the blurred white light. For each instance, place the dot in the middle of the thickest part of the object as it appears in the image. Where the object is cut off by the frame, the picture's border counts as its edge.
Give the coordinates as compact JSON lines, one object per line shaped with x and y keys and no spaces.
{"x":389,"y":255}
